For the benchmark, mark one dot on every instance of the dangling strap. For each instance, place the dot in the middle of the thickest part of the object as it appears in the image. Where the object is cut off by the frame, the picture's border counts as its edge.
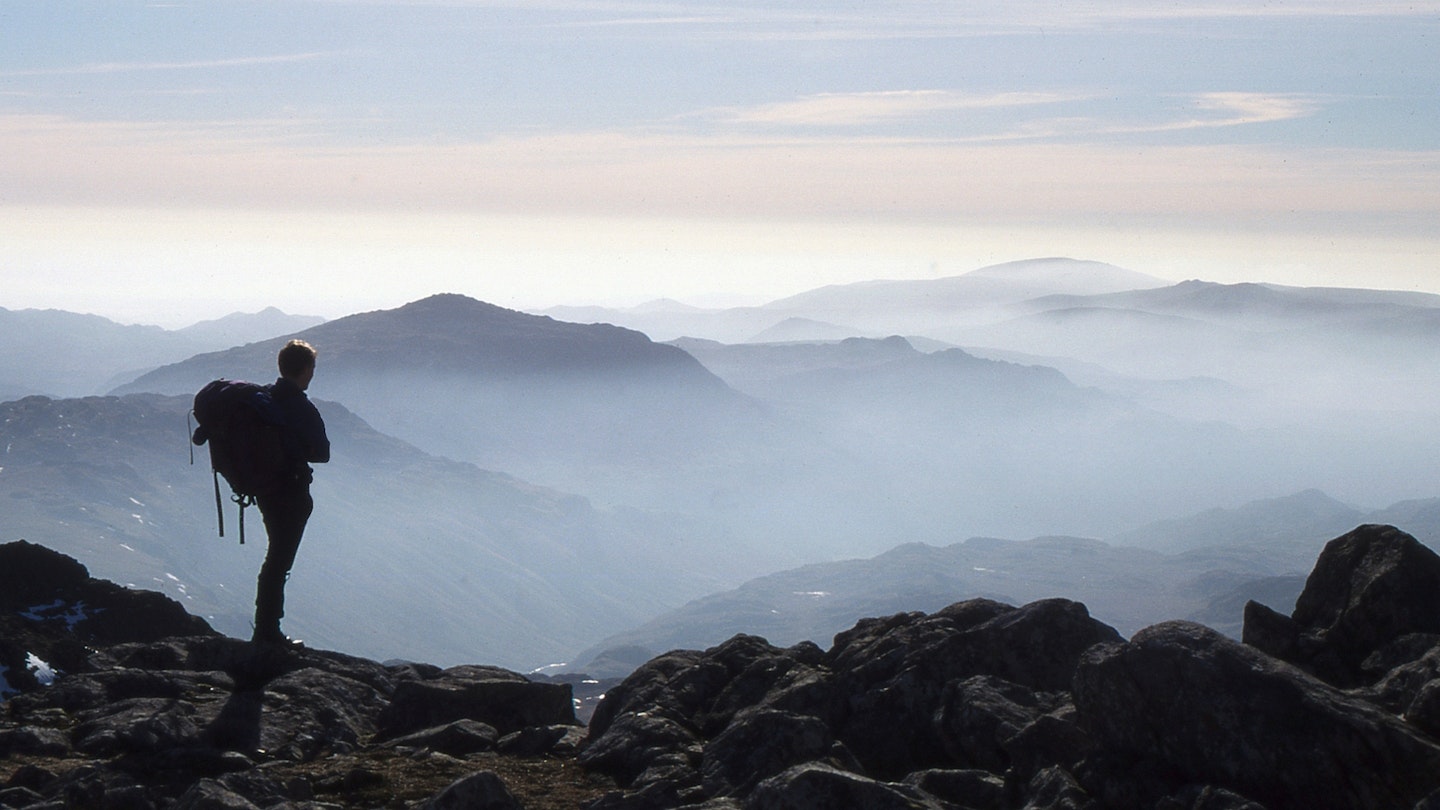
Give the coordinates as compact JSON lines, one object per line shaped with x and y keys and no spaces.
{"x":244,"y":501}
{"x":219,"y":505}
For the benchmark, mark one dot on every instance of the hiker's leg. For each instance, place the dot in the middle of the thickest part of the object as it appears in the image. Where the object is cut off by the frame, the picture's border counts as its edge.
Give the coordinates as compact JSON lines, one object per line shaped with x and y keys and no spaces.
{"x":286,"y":514}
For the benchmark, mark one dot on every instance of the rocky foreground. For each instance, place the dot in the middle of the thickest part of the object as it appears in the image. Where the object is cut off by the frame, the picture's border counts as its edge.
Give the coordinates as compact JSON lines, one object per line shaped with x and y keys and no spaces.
{"x":980,"y":705}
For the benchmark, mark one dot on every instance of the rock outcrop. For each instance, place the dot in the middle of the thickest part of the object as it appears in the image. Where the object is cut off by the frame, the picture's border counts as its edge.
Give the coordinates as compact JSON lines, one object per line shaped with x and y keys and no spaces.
{"x":979,"y":706}
{"x":149,"y":708}
{"x":984,"y":705}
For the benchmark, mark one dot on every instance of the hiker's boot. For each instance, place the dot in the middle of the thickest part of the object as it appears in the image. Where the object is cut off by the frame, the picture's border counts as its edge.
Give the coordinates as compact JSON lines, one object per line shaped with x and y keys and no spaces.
{"x":272,"y":636}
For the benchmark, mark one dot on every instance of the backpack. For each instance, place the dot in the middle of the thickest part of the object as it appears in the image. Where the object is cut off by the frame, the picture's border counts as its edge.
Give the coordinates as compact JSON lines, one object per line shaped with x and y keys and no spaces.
{"x":244,"y":430}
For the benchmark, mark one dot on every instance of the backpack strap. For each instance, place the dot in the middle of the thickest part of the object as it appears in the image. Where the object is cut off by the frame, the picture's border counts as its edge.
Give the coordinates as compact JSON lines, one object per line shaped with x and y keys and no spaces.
{"x":244,"y":501}
{"x":219,"y":509}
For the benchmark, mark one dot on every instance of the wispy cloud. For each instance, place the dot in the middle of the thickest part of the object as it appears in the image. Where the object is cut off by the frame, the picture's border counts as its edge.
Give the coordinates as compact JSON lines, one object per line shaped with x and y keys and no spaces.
{"x":264,"y":164}
{"x":852,"y":109}
{"x":99,"y":68}
{"x":1239,"y":108}
{"x":1025,"y":113}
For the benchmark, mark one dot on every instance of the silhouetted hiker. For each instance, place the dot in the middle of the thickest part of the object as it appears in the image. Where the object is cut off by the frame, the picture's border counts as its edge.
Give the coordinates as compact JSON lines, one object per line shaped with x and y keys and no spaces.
{"x":287,"y":508}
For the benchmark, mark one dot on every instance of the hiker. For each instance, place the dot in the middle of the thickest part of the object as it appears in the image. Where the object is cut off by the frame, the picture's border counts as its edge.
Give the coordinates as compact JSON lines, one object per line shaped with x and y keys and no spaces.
{"x":286,"y":508}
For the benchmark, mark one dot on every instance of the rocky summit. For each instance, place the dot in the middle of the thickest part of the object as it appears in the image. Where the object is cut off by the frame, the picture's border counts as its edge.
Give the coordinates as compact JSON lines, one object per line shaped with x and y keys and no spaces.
{"x":118,"y":699}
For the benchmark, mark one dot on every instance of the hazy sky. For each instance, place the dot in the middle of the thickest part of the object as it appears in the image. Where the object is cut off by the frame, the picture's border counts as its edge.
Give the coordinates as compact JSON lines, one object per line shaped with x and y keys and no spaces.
{"x":169,"y":161}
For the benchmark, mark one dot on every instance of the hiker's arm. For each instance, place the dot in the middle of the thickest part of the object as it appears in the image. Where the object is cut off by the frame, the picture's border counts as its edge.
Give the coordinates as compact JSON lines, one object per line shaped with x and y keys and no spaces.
{"x":317,"y":444}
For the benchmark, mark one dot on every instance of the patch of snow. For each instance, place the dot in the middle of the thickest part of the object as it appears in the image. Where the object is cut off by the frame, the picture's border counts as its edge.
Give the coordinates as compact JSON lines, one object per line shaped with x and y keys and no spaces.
{"x":983,"y":570}
{"x":44,"y":673}
{"x":815,"y":594}
{"x":127,"y":548}
{"x":137,"y":517}
{"x":137,"y":503}
{"x":70,"y":614}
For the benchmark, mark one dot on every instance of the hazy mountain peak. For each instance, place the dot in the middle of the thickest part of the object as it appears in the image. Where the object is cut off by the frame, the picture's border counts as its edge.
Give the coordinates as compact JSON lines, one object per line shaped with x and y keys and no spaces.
{"x":1065,"y":275}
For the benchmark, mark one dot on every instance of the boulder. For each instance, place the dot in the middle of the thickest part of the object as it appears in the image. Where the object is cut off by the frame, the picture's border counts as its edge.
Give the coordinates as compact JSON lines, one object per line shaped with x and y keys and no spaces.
{"x":970,"y":788}
{"x":500,"y":698}
{"x":1369,"y":589}
{"x":455,"y":738}
{"x":893,"y":683}
{"x":759,"y":744}
{"x":480,"y":791}
{"x":1181,"y":705}
{"x":537,"y":740}
{"x":814,"y":785}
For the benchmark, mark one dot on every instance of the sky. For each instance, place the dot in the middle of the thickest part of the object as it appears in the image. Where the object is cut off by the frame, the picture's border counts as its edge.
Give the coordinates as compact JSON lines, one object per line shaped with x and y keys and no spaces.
{"x":170,"y":161}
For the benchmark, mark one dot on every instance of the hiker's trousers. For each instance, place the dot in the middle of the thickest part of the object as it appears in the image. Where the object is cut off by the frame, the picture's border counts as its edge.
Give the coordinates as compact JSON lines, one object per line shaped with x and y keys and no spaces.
{"x":286,"y":511}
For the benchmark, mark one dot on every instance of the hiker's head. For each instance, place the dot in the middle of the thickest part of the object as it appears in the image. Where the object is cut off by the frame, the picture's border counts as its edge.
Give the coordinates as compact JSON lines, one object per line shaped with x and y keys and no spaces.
{"x":297,"y":363}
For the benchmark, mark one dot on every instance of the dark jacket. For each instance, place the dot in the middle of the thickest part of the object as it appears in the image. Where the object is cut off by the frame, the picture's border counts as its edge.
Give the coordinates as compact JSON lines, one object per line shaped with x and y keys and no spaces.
{"x":305,"y":439}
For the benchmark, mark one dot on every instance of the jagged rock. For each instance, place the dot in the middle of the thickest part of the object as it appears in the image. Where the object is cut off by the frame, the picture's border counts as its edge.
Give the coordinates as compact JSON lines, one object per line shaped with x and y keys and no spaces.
{"x":971,"y":788}
{"x":661,"y":795}
{"x":537,"y":740}
{"x":455,"y":738}
{"x":33,"y":740}
{"x":19,"y":797}
{"x":139,"y":726}
{"x":704,"y":690}
{"x":759,"y":744}
{"x":1368,"y":589}
{"x":1424,"y":710}
{"x":503,"y":699}
{"x":636,"y":742}
{"x":51,"y":588}
{"x":481,"y":791}
{"x":208,"y":794}
{"x":1402,"y":685}
{"x":1055,"y":789}
{"x":893,"y":683}
{"x":310,"y":711}
{"x":978,"y":716}
{"x":1184,"y":701}
{"x":665,"y":710}
{"x":1053,"y":739}
{"x":1207,"y":798}
{"x":813,"y":785}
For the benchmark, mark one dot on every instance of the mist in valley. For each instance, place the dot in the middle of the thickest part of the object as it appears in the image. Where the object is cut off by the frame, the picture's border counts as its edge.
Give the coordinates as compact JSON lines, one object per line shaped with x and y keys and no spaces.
{"x":515,"y":488}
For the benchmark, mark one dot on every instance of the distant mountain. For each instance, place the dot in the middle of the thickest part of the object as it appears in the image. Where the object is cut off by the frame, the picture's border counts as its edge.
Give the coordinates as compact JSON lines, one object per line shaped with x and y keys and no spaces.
{"x":1293,"y":524}
{"x":804,"y":329}
{"x":958,"y":440}
{"x":928,"y":305}
{"x":1299,"y":354}
{"x":1201,"y":568}
{"x":869,"y":308}
{"x":592,"y":409}
{"x":240,"y":328}
{"x":58,"y":353}
{"x":408,"y":555}
{"x":1127,"y":588}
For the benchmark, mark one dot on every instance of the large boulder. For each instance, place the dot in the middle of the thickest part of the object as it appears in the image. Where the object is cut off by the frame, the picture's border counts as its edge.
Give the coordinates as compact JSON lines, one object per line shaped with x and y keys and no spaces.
{"x":1370,"y":589}
{"x":1182,"y":705}
{"x":506,"y":700}
{"x":893,"y":683}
